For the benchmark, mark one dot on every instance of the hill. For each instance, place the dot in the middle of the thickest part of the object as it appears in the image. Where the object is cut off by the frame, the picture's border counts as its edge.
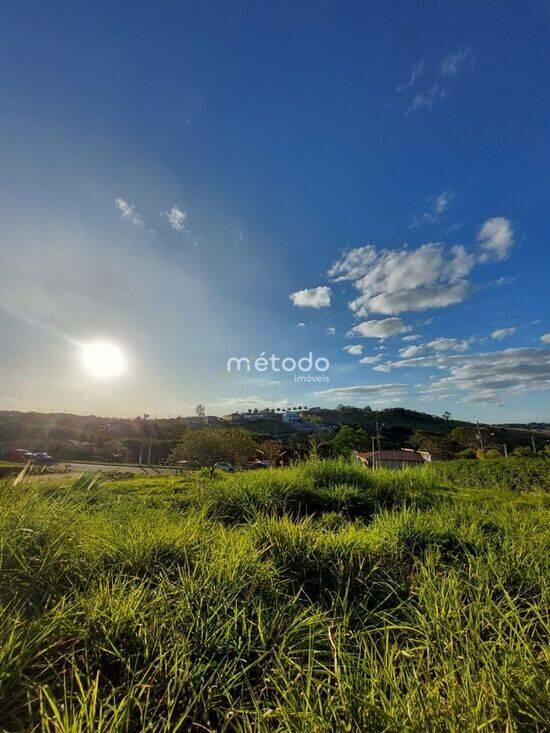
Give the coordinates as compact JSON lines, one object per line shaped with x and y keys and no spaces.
{"x":70,"y":436}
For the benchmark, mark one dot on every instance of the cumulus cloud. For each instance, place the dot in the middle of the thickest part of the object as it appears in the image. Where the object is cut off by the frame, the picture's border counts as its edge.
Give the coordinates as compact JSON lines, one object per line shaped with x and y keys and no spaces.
{"x":440,"y":344}
{"x":331,"y":330}
{"x":503,"y":333}
{"x":496,"y":239}
{"x":411,"y":337}
{"x":129,"y":212}
{"x":454,"y":63}
{"x":545,"y":338}
{"x":380,"y":329}
{"x":355,"y":350}
{"x":370,"y":359}
{"x":395,"y":281}
{"x":409,"y":351}
{"x":176,"y":218}
{"x":312,"y":298}
{"x":487,"y":376}
{"x":301,"y":325}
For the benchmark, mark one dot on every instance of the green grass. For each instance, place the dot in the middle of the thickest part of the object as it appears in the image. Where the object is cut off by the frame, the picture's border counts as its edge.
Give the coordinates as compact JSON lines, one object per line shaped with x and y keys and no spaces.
{"x":321,"y":597}
{"x":516,"y":474}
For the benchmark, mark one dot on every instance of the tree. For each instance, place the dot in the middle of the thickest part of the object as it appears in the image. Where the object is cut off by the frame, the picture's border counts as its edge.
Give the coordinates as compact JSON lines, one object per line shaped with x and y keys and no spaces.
{"x":214,"y":445}
{"x":446,"y":415}
{"x":271,"y":451}
{"x":347,"y":440}
{"x":438,"y":445}
{"x":200,"y":410}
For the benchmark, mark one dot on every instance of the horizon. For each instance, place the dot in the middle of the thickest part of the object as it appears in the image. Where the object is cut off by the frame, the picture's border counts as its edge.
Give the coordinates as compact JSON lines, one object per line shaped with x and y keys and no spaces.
{"x":193,"y":197}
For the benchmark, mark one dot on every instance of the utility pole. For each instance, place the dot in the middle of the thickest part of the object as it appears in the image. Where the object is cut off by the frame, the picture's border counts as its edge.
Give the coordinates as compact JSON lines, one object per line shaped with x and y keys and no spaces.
{"x":378,"y":434}
{"x":479,"y":436}
{"x":145,"y":416}
{"x":150,"y":442}
{"x":533,"y":441}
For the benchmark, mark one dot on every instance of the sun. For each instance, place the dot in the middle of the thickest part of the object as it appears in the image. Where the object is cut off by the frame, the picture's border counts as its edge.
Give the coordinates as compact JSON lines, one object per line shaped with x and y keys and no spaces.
{"x":102,"y":359}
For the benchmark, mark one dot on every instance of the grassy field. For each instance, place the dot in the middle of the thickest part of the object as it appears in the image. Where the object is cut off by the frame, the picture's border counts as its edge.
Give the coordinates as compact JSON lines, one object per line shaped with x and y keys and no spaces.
{"x":321,"y":597}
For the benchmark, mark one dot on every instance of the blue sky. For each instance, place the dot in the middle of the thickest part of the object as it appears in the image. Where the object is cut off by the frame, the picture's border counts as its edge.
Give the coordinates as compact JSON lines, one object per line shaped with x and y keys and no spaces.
{"x":193,"y":182}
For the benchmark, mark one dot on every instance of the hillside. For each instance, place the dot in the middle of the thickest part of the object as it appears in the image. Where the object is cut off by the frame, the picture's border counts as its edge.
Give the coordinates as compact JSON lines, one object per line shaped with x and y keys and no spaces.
{"x":76,"y":437}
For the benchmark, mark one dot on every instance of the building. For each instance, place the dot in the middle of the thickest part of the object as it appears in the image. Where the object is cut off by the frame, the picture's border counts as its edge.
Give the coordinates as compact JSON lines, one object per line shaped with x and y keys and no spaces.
{"x":205,"y":421}
{"x":393,"y":458}
{"x":234,"y":417}
{"x":291,"y":417}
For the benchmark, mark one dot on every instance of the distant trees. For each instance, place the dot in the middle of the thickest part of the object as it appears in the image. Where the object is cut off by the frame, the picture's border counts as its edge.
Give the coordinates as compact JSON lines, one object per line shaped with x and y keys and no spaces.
{"x":200,"y":410}
{"x":438,"y":445}
{"x":215,"y":445}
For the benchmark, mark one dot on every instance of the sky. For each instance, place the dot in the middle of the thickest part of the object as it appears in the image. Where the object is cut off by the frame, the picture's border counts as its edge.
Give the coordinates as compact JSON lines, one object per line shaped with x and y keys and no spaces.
{"x":195,"y":183}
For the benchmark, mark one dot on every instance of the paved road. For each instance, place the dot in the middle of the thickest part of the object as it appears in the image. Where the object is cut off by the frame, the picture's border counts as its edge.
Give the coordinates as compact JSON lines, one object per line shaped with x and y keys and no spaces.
{"x":110,"y":467}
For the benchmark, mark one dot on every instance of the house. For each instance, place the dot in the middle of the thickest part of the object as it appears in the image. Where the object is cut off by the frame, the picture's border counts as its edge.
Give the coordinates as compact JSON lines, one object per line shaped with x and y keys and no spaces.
{"x":201,"y":421}
{"x":393,"y":458}
{"x":233,"y":417}
{"x":291,"y":417}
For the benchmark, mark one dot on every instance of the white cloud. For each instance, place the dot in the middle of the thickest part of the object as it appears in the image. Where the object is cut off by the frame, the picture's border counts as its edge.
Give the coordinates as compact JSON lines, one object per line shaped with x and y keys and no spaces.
{"x":448,"y":344}
{"x":456,"y":62}
{"x":545,"y":338}
{"x":355,"y":350}
{"x":301,"y":325}
{"x":439,"y":344}
{"x":485,"y":377}
{"x":370,"y":359}
{"x":419,"y":299}
{"x":393,"y":389}
{"x":395,"y":281}
{"x":438,"y":206}
{"x":379,"y":329}
{"x":129,"y":212}
{"x":331,"y":330}
{"x":412,"y":337}
{"x":409,"y":351}
{"x":503,"y":333}
{"x":427,"y":99}
{"x":416,"y":71}
{"x":176,"y":218}
{"x":312,"y":298}
{"x":496,"y":238}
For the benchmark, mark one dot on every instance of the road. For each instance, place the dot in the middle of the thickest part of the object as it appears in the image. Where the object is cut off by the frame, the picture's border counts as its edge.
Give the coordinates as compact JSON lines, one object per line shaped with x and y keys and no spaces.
{"x":75,"y":466}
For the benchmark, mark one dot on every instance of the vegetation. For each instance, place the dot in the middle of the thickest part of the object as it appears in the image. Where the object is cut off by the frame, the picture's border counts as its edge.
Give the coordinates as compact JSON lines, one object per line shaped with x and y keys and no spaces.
{"x":347,"y":440}
{"x":514,"y":474}
{"x":78,"y":437}
{"x":320,"y":597}
{"x":212,"y":446}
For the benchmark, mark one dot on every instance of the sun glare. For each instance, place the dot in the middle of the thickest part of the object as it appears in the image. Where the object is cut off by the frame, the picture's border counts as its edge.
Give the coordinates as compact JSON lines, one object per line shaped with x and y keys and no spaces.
{"x":103,"y":360}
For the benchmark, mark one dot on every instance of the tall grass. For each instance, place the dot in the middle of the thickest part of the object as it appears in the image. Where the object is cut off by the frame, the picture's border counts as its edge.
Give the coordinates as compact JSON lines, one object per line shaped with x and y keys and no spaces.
{"x":318,"y":598}
{"x":515,"y":474}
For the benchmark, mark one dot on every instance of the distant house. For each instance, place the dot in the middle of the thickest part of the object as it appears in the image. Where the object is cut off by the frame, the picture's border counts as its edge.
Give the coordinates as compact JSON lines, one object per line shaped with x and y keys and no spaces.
{"x":233,"y":417}
{"x":292,"y":418}
{"x":393,"y":458}
{"x":197,"y":422}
